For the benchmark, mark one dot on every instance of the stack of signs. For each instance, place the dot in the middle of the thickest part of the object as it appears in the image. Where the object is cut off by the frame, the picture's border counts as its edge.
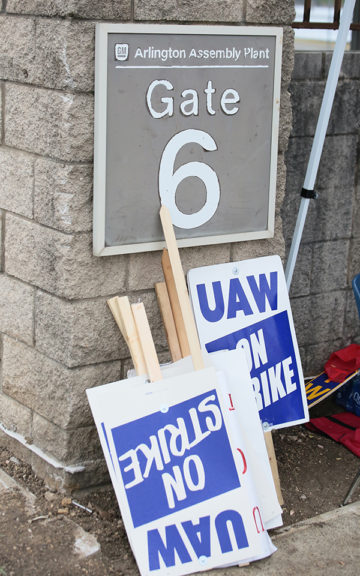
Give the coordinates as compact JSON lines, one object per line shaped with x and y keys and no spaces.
{"x":246,"y":305}
{"x":179,"y":466}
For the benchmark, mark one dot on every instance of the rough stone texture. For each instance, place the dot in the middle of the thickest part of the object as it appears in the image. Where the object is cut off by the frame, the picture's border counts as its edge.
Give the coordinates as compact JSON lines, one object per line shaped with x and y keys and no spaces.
{"x":1,"y":241}
{"x":14,"y":416}
{"x":16,"y":182}
{"x":52,"y":390}
{"x":60,"y":263}
{"x":269,"y":12}
{"x":303,"y":272}
{"x":63,"y":196}
{"x":55,"y":124}
{"x":103,"y":10}
{"x":78,"y":333}
{"x":330,"y":261}
{"x":307,"y":98}
{"x":331,"y":216}
{"x":308,"y":67}
{"x":68,"y":447}
{"x":15,"y":297}
{"x":354,"y":267}
{"x":318,"y":318}
{"x":350,"y":67}
{"x":267,"y":247}
{"x":17,"y":48}
{"x":61,"y":60}
{"x":145,"y":269}
{"x":180,"y":10}
{"x":356,"y":219}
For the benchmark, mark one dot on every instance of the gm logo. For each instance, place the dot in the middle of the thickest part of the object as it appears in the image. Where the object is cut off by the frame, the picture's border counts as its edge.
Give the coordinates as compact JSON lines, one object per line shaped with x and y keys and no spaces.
{"x":121,"y":52}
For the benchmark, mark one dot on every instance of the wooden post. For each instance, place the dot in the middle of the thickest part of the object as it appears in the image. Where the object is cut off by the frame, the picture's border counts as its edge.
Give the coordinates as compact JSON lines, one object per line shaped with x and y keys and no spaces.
{"x":147,"y":342}
{"x":181,"y":290}
{"x":168,"y":321}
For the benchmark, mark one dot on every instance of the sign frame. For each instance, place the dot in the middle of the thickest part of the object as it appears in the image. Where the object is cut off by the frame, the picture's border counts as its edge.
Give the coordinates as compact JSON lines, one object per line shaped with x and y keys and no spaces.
{"x":103,"y":30}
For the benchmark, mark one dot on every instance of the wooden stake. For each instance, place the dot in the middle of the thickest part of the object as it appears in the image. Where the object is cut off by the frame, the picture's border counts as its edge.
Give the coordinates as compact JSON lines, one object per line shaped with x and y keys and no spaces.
{"x":175,"y":304}
{"x":181,"y":289}
{"x":147,"y":342}
{"x":121,"y":310}
{"x":273,"y":464}
{"x":168,"y":320}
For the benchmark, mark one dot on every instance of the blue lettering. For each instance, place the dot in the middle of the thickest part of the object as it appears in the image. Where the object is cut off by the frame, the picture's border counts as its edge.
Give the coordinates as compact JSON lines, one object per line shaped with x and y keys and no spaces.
{"x":218,"y":312}
{"x":199,"y":536}
{"x":264,"y":290}
{"x":237,"y":299}
{"x":222,"y":529}
{"x":173,"y":543}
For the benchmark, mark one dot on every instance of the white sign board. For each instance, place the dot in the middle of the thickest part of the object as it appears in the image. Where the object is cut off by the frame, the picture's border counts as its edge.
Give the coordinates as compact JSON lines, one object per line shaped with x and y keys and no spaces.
{"x":185,"y":116}
{"x":246,"y":304}
{"x":187,"y":501}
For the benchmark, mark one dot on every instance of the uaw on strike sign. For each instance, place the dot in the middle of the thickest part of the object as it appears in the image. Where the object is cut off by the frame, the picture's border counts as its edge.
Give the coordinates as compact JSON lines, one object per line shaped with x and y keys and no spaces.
{"x":178,"y":467}
{"x":185,"y":116}
{"x":246,"y":305}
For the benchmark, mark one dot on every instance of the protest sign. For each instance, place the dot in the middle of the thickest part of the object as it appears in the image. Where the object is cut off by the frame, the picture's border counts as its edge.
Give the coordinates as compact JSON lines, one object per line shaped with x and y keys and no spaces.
{"x":186,"y":499}
{"x":246,"y":305}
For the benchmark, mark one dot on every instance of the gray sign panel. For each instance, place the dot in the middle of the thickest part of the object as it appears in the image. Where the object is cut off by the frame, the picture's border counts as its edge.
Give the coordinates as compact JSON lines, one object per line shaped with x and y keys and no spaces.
{"x":187,"y":117}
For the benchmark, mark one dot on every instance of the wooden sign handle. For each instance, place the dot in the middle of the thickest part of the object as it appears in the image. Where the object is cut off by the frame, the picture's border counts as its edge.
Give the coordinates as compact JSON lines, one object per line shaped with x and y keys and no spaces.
{"x":168,"y":321}
{"x":181,"y":289}
{"x":147,"y":342}
{"x":175,"y":304}
{"x":121,"y":310}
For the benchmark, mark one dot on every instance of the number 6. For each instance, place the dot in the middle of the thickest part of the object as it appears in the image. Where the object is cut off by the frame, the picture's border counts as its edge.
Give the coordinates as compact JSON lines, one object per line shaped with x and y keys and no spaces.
{"x":170,"y":180}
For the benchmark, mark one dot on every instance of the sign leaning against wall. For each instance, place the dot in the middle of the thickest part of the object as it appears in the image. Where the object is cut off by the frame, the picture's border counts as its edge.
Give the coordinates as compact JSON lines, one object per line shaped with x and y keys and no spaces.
{"x":187,"y":117}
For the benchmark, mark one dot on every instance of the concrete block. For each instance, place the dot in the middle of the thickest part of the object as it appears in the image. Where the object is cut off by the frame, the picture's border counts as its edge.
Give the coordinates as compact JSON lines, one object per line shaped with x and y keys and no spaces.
{"x":145,"y":269}
{"x":50,"y":123}
{"x":352,"y":320}
{"x":14,"y":416}
{"x":1,"y":116}
{"x":308,"y":66}
{"x":307,"y":98}
{"x":267,"y":247}
{"x":285,"y":123}
{"x":62,"y":61}
{"x":354,"y":259}
{"x":331,"y":216}
{"x":203,"y":10}
{"x":67,"y":446}
{"x":330,"y":260}
{"x":1,"y":241}
{"x":104,"y":10}
{"x":288,"y":57}
{"x":270,"y":12}
{"x":17,"y":57}
{"x":318,"y":354}
{"x":78,"y":333}
{"x":16,"y":181}
{"x":16,"y":309}
{"x":63,"y":196}
{"x":60,"y":263}
{"x":318,"y":318}
{"x":356,"y":219}
{"x":350,"y":67}
{"x":49,"y":388}
{"x":300,"y":285}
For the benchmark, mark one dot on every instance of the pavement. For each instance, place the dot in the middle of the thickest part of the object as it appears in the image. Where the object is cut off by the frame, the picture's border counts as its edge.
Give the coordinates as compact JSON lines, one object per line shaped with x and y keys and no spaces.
{"x":328,"y":544}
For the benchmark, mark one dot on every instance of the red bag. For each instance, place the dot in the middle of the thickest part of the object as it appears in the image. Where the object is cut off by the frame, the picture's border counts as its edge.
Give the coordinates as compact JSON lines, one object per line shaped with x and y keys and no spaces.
{"x":343,"y":362}
{"x":344,"y":428}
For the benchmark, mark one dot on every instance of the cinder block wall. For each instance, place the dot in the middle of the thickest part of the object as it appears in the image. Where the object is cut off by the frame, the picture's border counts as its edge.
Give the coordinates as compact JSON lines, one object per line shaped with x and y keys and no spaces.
{"x":57,"y":335}
{"x":323,"y":303}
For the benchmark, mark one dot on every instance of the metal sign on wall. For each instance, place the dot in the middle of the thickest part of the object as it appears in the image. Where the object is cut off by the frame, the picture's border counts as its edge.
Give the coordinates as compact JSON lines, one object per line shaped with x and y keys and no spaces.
{"x":187,"y":117}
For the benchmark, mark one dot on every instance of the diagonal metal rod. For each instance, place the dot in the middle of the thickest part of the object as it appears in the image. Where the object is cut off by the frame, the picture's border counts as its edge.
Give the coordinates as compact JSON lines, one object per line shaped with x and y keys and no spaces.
{"x":320,"y":133}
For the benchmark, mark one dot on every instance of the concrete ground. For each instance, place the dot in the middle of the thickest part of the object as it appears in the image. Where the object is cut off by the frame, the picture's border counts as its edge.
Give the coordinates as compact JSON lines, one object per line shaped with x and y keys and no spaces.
{"x":30,"y":543}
